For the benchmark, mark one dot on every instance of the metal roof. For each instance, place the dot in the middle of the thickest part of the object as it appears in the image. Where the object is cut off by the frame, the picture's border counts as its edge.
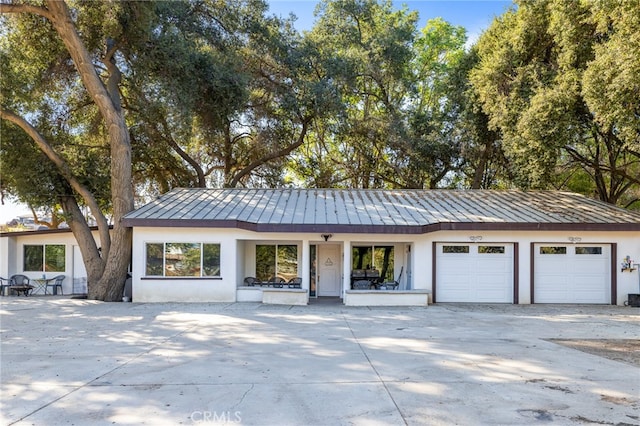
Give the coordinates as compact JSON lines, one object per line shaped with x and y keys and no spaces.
{"x":380,"y":211}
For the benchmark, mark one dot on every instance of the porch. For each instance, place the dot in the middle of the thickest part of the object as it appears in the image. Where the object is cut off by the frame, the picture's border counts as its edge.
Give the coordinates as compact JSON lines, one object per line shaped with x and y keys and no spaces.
{"x":324,"y":269}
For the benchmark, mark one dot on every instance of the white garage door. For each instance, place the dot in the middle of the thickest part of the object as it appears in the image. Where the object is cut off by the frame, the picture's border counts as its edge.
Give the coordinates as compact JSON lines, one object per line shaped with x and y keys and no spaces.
{"x":572,"y":273}
{"x":478,"y":273}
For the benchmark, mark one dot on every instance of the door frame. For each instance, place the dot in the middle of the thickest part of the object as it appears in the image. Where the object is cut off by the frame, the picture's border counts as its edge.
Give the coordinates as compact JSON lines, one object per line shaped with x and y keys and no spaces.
{"x":320,"y":247}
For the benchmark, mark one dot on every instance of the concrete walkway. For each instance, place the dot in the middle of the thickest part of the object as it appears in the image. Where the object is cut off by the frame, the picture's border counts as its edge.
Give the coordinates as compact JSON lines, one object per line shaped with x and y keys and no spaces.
{"x":80,"y":362}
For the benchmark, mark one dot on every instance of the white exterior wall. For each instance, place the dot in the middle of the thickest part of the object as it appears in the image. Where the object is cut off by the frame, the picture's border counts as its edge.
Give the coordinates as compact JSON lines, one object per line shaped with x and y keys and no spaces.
{"x":238,"y":258}
{"x":12,"y":255}
{"x":174,"y":289}
{"x":7,"y":257}
{"x":237,"y":251}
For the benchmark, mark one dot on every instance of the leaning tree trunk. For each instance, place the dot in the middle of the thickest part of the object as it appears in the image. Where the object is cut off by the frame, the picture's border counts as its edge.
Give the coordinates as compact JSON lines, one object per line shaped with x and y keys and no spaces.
{"x":116,"y":251}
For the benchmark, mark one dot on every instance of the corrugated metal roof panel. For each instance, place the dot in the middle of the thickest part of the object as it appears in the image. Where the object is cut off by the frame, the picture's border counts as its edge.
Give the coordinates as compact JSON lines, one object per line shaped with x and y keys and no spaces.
{"x":379,"y":208}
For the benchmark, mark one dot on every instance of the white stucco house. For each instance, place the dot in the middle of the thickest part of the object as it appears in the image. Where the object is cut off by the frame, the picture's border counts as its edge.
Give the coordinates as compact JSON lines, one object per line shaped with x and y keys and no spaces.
{"x":476,"y":246}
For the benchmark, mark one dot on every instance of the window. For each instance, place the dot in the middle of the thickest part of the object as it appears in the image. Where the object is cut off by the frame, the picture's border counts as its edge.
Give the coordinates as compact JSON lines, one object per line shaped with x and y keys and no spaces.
{"x":455,"y":249}
{"x":588,"y":250}
{"x":380,"y":258}
{"x":553,"y":250}
{"x":491,"y":249}
{"x":44,"y":258}
{"x":183,"y":260}
{"x":273,"y":260}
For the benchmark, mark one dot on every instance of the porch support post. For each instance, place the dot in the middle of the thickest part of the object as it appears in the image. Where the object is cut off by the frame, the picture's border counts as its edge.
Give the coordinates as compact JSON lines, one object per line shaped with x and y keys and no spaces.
{"x":346,"y":266}
{"x":306,"y":262}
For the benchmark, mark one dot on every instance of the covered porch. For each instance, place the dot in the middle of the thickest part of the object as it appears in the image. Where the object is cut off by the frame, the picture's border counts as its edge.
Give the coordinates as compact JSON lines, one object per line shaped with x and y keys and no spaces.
{"x":295,"y":271}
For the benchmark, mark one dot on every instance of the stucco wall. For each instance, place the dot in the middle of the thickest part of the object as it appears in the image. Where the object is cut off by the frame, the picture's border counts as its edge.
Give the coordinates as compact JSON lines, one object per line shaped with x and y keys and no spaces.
{"x":238,"y":260}
{"x":12,"y":255}
{"x":174,"y":289}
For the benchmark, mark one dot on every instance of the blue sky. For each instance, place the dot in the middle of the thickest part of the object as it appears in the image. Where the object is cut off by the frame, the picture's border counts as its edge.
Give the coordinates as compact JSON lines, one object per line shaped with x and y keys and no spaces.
{"x":475,"y":16}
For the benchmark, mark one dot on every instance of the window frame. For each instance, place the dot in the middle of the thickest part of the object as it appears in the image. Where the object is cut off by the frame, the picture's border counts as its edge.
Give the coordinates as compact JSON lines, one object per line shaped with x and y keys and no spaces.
{"x":588,"y":251}
{"x":202,"y":267}
{"x":371,"y":253}
{"x":492,"y":249}
{"x":276,"y":253}
{"x":44,"y":265}
{"x":552,"y":250}
{"x":454,"y":248}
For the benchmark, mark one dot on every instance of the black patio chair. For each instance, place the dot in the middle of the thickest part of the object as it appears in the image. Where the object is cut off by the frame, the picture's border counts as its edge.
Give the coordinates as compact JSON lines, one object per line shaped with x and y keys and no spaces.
{"x":56,"y":283}
{"x":362,"y":285}
{"x":295,"y":282}
{"x":393,"y":285}
{"x":252,"y":281}
{"x":5,"y":283}
{"x":20,"y":284}
{"x":276,"y":282}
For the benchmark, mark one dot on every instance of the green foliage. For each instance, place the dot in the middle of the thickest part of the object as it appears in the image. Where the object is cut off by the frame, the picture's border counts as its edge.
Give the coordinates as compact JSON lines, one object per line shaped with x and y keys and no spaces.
{"x":390,"y":128}
{"x":219,"y":93}
{"x":547,"y":80}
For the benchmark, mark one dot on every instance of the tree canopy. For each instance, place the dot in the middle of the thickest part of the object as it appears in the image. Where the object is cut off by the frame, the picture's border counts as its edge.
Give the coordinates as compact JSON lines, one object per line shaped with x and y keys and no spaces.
{"x":548,"y":80}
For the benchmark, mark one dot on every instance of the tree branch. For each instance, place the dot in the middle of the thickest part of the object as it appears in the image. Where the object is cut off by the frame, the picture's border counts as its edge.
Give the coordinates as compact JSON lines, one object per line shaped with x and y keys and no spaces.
{"x":24,"y":8}
{"x":272,"y":156}
{"x":62,"y":166}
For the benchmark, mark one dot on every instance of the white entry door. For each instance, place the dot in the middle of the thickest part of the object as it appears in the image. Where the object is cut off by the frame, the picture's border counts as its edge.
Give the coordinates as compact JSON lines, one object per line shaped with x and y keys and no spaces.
{"x":329,"y":266}
{"x":572,"y":273}
{"x":477,"y":273}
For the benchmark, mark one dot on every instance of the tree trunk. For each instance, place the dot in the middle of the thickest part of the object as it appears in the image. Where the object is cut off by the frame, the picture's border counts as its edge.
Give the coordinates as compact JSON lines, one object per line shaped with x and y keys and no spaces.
{"x":116,"y":251}
{"x":93,"y":262}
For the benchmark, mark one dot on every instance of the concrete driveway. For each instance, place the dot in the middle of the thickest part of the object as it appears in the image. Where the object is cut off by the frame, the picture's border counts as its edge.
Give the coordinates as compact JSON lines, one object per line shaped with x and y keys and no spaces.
{"x":79,"y":362}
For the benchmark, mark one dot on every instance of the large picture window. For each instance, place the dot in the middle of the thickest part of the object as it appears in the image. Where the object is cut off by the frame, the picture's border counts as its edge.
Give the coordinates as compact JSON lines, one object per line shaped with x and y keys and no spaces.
{"x":276,"y":261}
{"x":44,"y":258}
{"x":375,"y":257}
{"x":182,"y":260}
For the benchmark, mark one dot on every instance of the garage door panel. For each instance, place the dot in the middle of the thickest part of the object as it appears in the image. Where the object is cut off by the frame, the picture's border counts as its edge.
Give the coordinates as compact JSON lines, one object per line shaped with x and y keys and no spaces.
{"x":461,"y":268}
{"x":589,"y":297}
{"x":558,"y":261}
{"x":552,"y":282}
{"x":493,"y":265}
{"x":491,"y":296}
{"x":590,"y":268}
{"x":484,"y":274}
{"x":571,"y":273}
{"x":453,"y":295}
{"x":491,"y":280}
{"x":458,"y":281}
{"x":552,"y":296}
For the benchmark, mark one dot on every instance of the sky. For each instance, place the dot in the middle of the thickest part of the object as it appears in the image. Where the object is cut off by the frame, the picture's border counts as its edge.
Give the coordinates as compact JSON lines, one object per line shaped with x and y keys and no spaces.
{"x":474,"y":15}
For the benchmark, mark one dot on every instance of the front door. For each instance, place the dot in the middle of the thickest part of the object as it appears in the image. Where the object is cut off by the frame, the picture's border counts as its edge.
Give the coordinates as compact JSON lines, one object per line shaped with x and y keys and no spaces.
{"x":329,"y":283}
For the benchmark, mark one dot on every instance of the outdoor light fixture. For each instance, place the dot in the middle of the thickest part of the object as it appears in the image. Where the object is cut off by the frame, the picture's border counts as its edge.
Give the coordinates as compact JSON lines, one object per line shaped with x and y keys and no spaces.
{"x":575,"y":239}
{"x":326,"y":236}
{"x":475,"y":238}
